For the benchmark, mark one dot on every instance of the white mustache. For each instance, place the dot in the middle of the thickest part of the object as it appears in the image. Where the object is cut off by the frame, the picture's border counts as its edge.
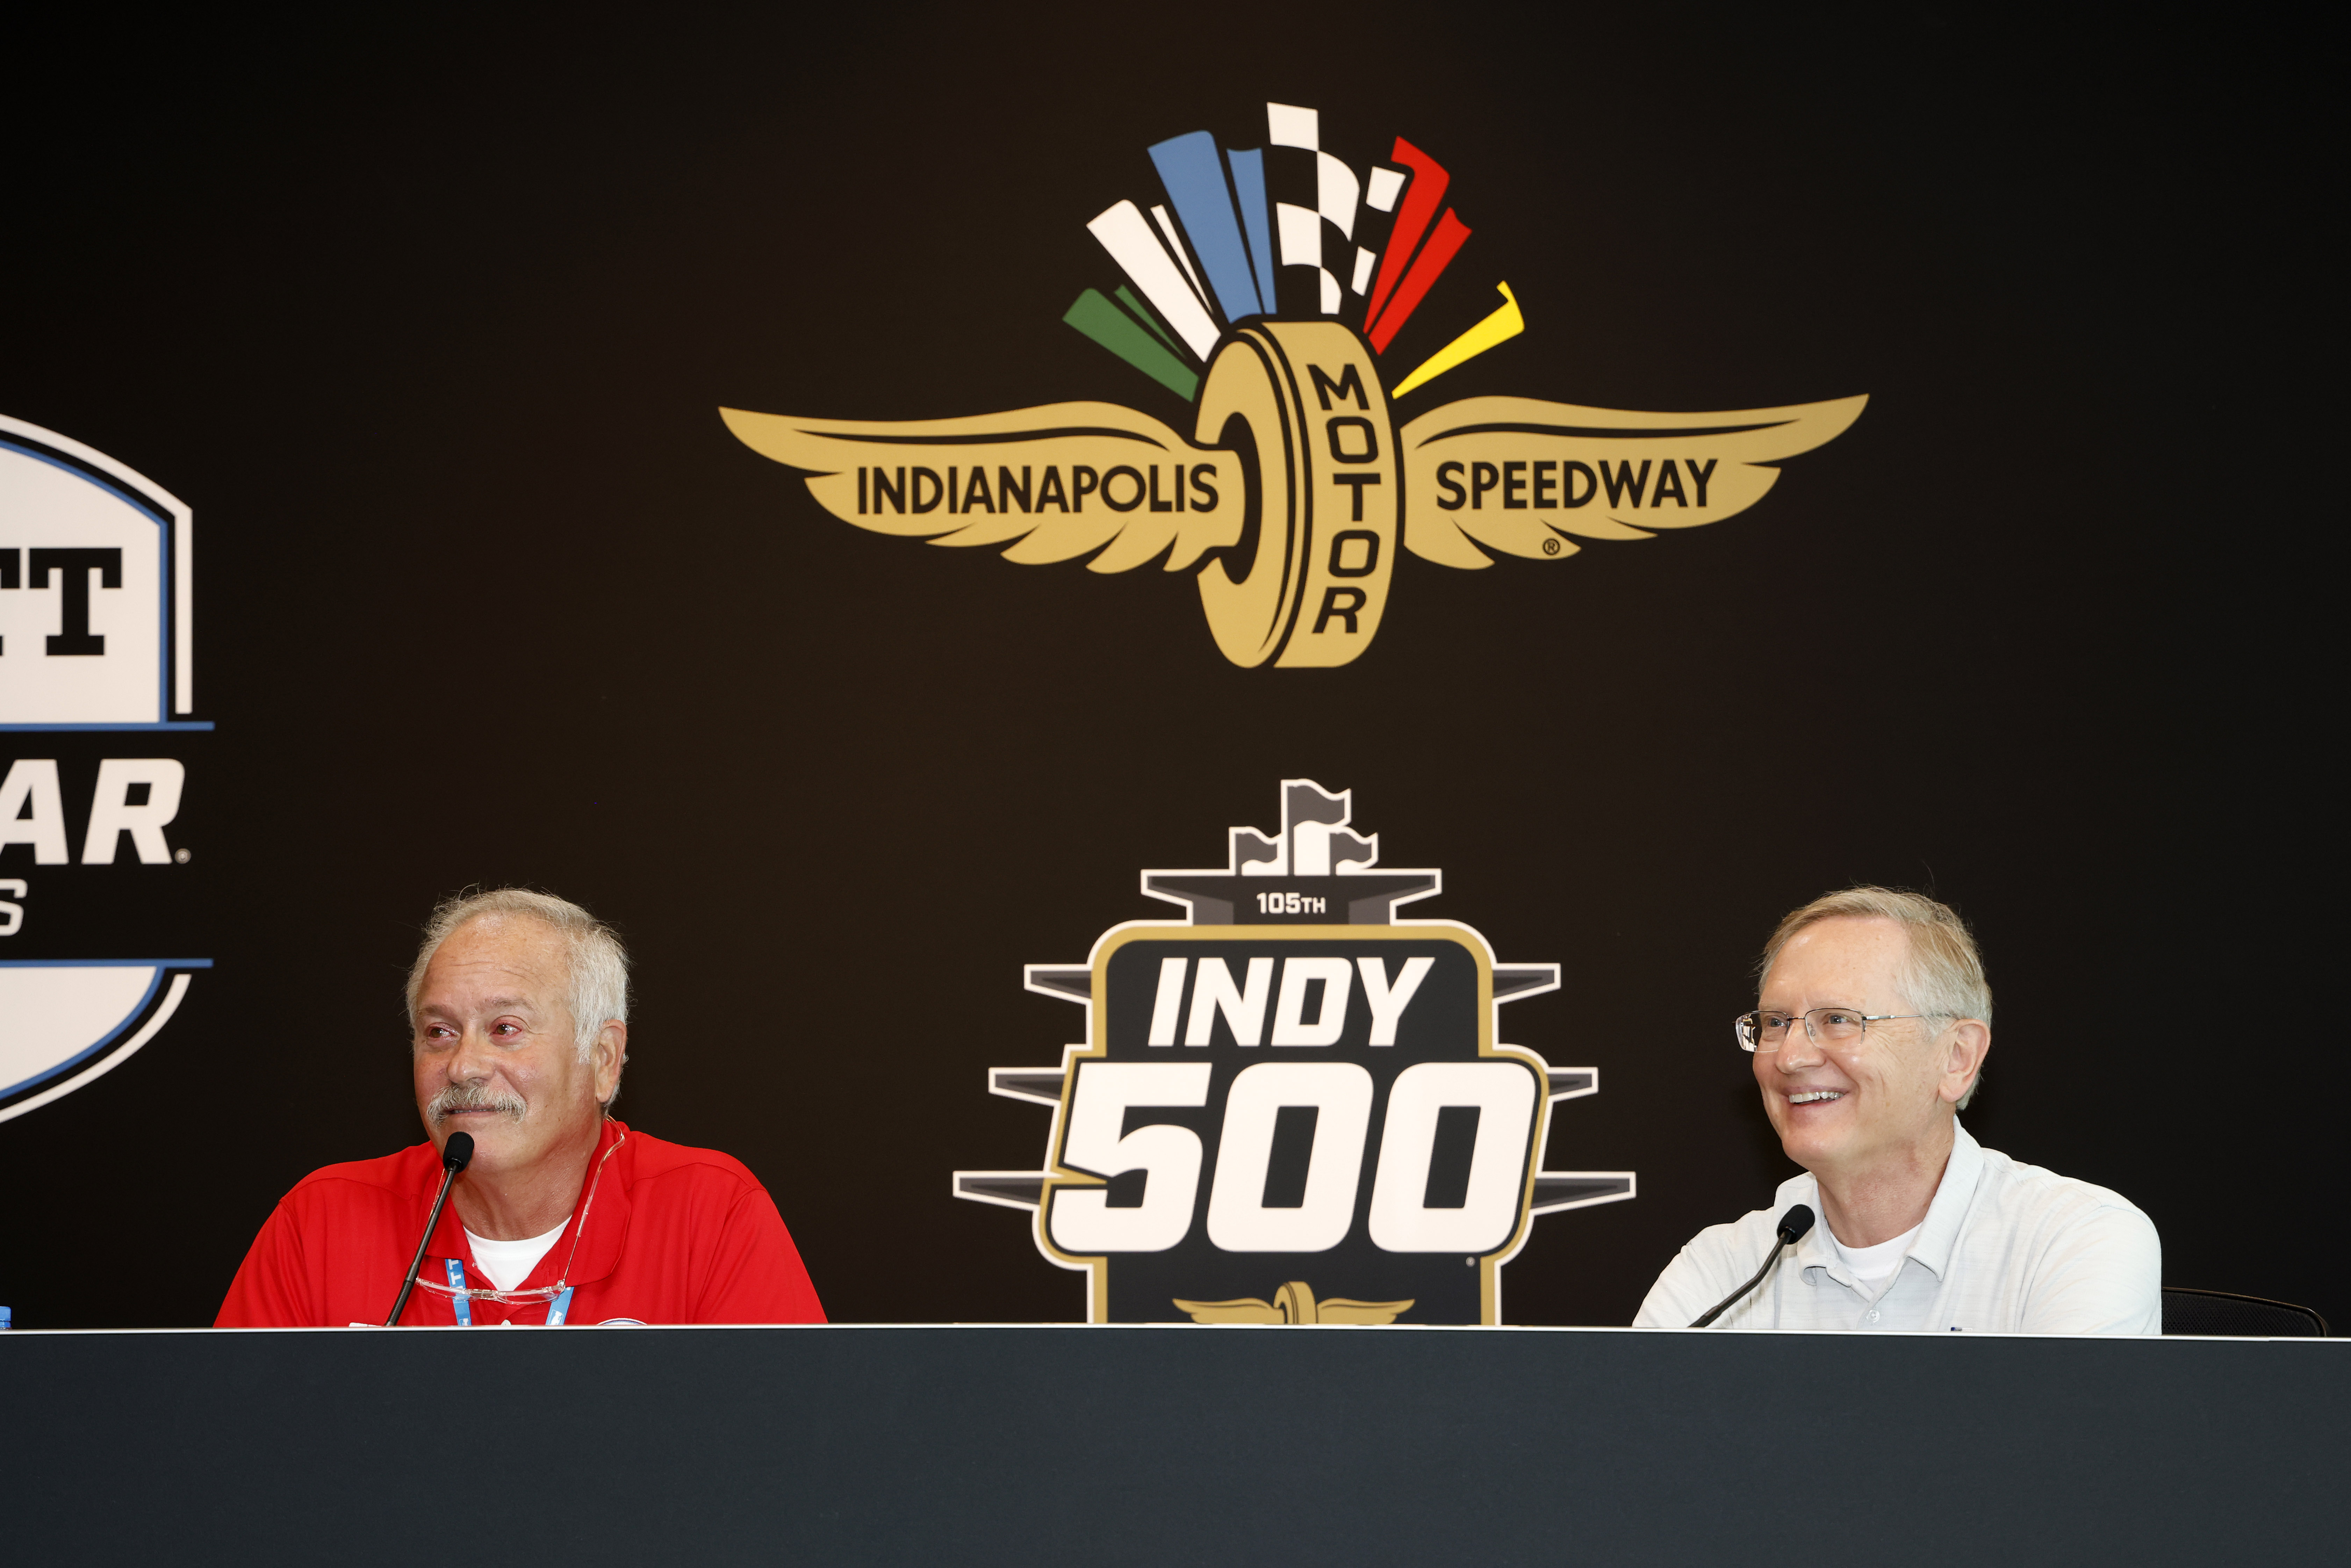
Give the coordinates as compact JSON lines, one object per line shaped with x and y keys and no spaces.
{"x":472,"y":1097}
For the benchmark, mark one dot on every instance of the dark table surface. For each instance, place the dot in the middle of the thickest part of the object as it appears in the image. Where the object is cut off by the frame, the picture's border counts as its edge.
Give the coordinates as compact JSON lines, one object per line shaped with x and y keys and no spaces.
{"x":1169,"y":1444}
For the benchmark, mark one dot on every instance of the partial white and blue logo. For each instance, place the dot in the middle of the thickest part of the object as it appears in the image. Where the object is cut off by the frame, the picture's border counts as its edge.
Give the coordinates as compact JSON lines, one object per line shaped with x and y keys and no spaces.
{"x":67,"y":1023}
{"x":97,"y":591}
{"x":97,"y":634}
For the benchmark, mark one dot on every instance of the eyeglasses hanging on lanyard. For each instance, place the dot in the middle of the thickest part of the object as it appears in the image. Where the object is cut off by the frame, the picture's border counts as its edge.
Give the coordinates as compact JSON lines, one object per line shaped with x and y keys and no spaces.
{"x":462,"y":1297}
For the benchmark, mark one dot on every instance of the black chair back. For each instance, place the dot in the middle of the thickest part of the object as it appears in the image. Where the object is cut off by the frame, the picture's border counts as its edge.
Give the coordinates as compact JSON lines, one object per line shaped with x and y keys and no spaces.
{"x":2219,"y":1312}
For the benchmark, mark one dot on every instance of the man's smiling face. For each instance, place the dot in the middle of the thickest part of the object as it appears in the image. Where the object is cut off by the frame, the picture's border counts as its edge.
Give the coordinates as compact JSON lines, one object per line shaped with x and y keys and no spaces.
{"x":495,"y":1053}
{"x":1850,"y":1107}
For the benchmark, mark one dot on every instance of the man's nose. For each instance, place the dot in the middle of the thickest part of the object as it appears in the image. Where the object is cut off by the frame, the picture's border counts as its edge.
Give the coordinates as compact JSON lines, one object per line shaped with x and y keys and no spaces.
{"x":470,"y":1062}
{"x":1797,"y":1050}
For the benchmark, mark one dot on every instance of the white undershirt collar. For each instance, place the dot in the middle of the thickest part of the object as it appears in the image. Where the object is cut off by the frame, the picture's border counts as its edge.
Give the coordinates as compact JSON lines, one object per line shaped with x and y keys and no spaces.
{"x":1872,"y":1267}
{"x":509,"y":1263}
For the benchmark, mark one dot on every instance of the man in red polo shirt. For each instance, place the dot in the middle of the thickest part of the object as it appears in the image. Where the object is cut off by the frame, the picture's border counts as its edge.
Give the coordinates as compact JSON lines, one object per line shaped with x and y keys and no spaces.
{"x":518,"y":1004}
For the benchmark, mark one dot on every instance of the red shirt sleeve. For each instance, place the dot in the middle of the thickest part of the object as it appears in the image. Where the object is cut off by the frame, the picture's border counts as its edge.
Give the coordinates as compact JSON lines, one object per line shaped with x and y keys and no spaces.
{"x":756,"y":1276}
{"x":269,"y":1291}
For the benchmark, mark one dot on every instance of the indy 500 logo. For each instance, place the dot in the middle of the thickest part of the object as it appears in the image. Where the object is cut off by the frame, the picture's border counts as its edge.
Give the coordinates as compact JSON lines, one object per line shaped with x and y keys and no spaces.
{"x":1292,"y":1106}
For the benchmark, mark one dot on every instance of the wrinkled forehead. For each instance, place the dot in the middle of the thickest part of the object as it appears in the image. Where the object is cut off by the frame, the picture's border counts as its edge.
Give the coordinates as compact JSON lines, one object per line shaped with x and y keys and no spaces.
{"x":496,"y":962}
{"x":1847,"y":958}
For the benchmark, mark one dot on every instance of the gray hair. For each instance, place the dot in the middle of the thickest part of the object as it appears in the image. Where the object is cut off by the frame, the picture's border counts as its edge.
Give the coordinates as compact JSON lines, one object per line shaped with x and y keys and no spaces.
{"x":599,"y":964}
{"x":1942,"y":972}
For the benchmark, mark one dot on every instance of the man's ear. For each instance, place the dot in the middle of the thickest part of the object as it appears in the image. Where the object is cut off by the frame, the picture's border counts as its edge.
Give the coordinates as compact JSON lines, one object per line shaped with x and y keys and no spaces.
{"x":1964,"y":1046}
{"x":611,"y":1052}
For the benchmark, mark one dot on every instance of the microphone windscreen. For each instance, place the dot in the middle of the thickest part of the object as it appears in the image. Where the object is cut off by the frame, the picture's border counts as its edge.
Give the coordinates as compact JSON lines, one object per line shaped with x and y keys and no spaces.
{"x":459,"y":1149}
{"x":1793,"y":1224}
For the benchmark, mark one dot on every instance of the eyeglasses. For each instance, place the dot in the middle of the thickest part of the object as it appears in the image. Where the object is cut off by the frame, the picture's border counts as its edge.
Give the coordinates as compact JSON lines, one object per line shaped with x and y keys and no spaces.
{"x":543,"y":1295}
{"x":1826,"y":1026}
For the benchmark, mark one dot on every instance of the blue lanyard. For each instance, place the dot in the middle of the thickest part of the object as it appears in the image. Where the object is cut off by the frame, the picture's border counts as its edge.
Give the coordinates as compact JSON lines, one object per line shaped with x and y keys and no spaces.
{"x":557,"y":1311}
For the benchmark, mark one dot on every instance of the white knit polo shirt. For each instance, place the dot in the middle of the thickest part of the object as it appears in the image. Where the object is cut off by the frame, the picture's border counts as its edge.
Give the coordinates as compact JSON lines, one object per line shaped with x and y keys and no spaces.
{"x":2005,"y":1249}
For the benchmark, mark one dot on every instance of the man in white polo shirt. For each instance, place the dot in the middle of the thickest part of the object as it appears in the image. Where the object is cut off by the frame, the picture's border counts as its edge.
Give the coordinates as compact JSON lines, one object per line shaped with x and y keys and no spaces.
{"x":1874,"y":1022}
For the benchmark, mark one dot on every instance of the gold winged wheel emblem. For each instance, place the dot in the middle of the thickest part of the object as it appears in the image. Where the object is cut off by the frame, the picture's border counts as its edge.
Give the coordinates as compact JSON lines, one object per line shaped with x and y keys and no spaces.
{"x":1296,"y":490}
{"x":1293,"y":1303}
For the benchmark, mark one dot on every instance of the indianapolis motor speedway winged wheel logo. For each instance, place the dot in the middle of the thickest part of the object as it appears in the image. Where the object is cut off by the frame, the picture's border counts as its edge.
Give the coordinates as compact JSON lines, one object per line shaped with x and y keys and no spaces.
{"x":1297,"y":488}
{"x":1290,"y":1105}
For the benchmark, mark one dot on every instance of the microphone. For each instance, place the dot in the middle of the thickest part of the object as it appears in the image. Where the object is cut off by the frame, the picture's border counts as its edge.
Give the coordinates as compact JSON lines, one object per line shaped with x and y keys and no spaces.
{"x":1792,"y":1227}
{"x":455,"y":1154}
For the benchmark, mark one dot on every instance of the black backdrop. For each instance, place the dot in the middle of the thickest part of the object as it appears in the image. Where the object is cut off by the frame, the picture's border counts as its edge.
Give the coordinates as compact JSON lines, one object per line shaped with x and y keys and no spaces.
{"x":430,"y":319}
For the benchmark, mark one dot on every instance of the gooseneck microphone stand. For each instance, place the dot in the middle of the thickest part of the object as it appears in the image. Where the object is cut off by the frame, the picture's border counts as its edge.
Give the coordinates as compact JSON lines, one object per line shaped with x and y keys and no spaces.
{"x":455,"y":1153}
{"x":1793,"y":1226}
